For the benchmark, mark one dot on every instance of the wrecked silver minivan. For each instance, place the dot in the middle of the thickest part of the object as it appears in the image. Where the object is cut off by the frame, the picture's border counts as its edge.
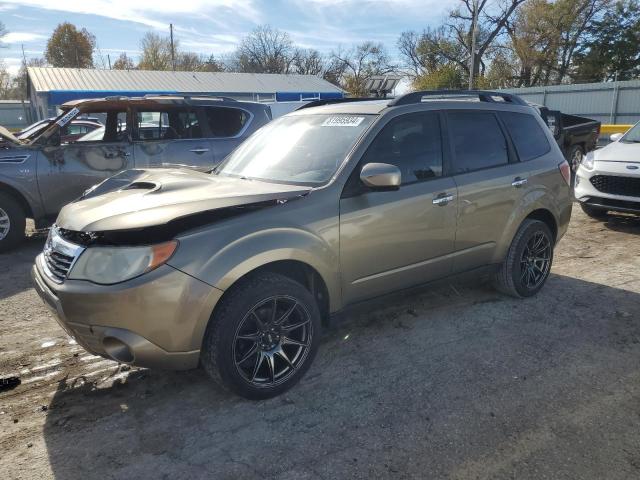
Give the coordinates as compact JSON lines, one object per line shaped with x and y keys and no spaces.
{"x":39,"y":176}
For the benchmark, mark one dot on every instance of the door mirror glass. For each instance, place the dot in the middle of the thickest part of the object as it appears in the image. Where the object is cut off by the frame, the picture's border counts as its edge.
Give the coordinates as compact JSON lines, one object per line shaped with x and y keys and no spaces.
{"x":381,"y":176}
{"x":615,"y":137}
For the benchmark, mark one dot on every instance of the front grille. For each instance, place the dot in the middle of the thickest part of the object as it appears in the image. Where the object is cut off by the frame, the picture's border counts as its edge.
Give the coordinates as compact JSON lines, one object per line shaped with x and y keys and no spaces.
{"x":58,"y":264}
{"x":59,"y":255}
{"x":626,"y":186}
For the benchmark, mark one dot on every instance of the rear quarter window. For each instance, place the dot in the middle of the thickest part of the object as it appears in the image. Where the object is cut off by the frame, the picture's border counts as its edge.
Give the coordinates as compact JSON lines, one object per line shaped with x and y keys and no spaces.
{"x":527,"y":135}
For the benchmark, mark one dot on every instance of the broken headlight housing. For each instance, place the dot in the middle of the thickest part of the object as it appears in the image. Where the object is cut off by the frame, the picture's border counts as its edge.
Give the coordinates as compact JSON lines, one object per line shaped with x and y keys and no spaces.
{"x":109,"y":265}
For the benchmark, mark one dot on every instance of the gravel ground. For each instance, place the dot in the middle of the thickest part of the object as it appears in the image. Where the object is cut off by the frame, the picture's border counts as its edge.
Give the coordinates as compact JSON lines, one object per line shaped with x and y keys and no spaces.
{"x":455,"y":381}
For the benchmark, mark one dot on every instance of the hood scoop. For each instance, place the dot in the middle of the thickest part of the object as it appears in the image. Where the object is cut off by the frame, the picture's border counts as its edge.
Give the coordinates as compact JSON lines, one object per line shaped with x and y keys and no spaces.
{"x":152,"y":186}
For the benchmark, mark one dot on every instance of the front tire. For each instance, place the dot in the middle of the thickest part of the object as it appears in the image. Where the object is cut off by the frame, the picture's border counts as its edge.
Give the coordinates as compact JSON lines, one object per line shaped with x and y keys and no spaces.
{"x":528,"y":263}
{"x":596,"y":213}
{"x":263,"y":336}
{"x":12,"y":222}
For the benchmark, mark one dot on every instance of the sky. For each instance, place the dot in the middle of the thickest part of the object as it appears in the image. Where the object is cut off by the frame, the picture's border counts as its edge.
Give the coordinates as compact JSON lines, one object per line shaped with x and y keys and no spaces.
{"x":212,"y":26}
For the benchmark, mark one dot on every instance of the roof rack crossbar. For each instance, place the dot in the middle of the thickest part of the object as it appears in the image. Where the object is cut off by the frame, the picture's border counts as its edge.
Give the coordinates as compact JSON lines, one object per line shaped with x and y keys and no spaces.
{"x":483,"y":96}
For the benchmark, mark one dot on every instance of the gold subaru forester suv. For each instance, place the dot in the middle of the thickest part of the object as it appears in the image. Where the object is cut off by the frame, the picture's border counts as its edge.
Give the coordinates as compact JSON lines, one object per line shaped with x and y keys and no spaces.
{"x":236,"y":269}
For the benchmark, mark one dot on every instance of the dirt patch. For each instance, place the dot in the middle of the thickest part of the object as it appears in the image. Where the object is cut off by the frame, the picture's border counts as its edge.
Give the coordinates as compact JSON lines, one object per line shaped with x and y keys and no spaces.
{"x":452,"y":382}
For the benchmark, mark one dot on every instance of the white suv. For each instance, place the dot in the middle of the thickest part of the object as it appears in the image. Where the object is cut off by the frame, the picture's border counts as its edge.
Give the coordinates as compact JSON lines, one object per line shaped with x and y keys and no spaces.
{"x":609,"y":178}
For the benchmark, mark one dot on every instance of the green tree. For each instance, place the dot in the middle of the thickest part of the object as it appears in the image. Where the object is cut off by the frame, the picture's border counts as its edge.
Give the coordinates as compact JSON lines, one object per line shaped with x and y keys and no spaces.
{"x":70,"y":47}
{"x":446,"y":77}
{"x":613,"y":47}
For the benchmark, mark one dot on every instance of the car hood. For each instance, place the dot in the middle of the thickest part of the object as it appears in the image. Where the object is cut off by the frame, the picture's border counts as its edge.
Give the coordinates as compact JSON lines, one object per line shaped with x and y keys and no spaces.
{"x":8,"y":136}
{"x":619,"y":152}
{"x":136,"y":199}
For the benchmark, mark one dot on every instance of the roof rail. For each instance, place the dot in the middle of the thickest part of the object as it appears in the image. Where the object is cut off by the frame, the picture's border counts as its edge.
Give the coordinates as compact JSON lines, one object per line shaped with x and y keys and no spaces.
{"x":331,"y":101}
{"x":189,"y":96}
{"x":482,"y":95}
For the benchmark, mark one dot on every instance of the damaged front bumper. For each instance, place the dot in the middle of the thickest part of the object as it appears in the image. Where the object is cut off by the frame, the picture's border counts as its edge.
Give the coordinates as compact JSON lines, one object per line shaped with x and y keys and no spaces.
{"x":156,"y":320}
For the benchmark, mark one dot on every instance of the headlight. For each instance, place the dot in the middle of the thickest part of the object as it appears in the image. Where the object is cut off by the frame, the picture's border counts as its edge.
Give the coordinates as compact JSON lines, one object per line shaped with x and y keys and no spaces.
{"x":109,"y":265}
{"x":587,"y":161}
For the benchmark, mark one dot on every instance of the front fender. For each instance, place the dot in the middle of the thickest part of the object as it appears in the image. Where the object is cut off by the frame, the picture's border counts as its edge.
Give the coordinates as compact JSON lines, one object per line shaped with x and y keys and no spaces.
{"x":247,"y":253}
{"x":21,"y":178}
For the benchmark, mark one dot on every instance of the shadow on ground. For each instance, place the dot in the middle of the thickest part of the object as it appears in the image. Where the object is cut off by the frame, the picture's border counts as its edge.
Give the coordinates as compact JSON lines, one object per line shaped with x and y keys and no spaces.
{"x":457,"y":383}
{"x":623,"y":223}
{"x":15,"y":263}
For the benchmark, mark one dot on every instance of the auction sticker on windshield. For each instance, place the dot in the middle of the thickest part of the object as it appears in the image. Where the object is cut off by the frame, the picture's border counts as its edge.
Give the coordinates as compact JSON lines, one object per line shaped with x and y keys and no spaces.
{"x":68,"y":116}
{"x":342,"y":121}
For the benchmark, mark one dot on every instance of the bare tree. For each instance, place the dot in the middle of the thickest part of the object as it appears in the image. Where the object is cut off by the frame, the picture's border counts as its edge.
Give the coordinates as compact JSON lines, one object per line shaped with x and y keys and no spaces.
{"x":493,"y":16}
{"x":309,"y":62}
{"x":124,"y":62}
{"x":264,"y":50}
{"x":355,"y":66}
{"x":156,"y":52}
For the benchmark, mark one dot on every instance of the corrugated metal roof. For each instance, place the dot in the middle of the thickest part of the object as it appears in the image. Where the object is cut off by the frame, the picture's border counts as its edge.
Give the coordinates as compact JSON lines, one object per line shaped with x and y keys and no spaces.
{"x":45,"y":79}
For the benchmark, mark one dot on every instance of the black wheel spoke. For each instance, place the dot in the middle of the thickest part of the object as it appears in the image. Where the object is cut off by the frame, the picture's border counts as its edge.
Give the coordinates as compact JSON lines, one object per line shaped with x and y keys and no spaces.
{"x":286,"y":315}
{"x":289,"y":328}
{"x":271,"y":366}
{"x":252,"y":351}
{"x":282,"y":354}
{"x":257,"y":365}
{"x":291,"y":341}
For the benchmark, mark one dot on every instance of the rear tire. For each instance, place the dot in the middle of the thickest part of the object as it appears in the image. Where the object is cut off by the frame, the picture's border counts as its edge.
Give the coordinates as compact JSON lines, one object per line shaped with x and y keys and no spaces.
{"x":12,"y":222}
{"x":252,"y":345}
{"x":575,"y":157}
{"x":526,"y":267}
{"x":596,"y":213}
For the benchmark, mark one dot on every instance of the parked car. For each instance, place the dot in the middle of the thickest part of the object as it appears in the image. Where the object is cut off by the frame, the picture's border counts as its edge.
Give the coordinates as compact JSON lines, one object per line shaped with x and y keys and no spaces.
{"x":575,"y":135}
{"x":320,"y":209}
{"x":40,"y":175}
{"x":608,"y":179}
{"x":72,"y":131}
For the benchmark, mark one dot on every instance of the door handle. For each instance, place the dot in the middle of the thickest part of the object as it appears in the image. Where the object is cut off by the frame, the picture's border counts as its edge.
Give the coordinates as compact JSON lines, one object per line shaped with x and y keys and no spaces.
{"x":518,"y":182}
{"x":199,"y":151}
{"x":442,"y":199}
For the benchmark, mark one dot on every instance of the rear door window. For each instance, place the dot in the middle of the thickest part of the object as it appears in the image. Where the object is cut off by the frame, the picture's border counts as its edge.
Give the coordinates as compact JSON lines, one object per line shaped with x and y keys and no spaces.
{"x":174,"y":124}
{"x":225,"y":121}
{"x":527,"y":135}
{"x":477,"y":141}
{"x":411,"y":142}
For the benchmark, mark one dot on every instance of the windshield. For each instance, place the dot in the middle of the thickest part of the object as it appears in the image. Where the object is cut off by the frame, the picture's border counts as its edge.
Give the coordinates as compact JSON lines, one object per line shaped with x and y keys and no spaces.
{"x":298,"y":149}
{"x":633,"y":135}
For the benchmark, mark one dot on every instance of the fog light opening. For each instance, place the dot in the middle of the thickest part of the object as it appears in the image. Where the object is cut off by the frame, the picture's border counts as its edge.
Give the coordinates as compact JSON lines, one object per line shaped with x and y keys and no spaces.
{"x":117,"y":349}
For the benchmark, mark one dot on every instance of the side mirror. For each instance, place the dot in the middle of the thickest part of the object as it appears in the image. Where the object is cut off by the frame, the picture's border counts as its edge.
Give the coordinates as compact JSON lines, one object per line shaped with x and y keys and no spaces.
{"x":614,"y":137}
{"x":381,"y":176}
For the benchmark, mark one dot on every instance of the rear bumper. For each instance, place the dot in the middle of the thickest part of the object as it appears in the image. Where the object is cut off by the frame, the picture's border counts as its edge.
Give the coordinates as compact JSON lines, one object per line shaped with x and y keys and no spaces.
{"x":155,"y":322}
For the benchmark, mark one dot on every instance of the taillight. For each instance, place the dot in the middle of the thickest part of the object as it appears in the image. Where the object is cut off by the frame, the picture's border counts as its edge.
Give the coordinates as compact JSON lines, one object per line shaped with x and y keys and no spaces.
{"x":565,"y":170}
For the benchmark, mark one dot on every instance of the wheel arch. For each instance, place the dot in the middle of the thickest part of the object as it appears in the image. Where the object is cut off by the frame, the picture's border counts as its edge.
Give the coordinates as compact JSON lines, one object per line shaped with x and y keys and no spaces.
{"x":299,"y":271}
{"x":18,"y":197}
{"x":545,"y":216}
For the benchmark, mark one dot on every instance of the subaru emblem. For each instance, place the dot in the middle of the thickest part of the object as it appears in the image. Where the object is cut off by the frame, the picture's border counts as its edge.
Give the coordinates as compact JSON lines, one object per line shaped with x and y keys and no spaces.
{"x":632,"y":167}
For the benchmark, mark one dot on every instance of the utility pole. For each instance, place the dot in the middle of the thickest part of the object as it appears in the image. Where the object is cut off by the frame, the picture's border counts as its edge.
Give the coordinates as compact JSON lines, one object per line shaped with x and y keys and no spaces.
{"x":474,"y":34}
{"x":109,"y":60}
{"x":173,"y":52}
